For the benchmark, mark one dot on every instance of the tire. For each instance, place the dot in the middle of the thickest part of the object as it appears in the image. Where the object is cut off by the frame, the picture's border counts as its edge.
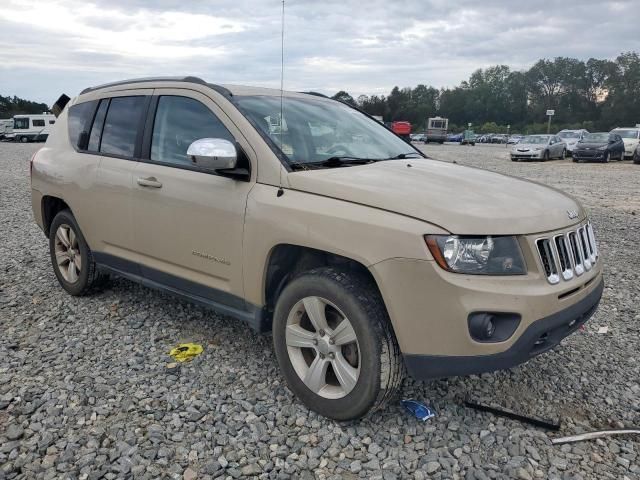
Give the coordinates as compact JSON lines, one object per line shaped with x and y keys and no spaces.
{"x":605,"y":158}
{"x":575,"y":160}
{"x":24,"y":140}
{"x":564,"y":154}
{"x":622,"y":156}
{"x":65,"y":235}
{"x":376,"y":365}
{"x":545,"y":157}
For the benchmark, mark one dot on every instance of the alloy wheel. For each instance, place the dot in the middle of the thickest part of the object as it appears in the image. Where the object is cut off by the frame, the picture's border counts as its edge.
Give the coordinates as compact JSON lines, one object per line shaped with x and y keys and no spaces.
{"x":323,"y":347}
{"x":67,"y":252}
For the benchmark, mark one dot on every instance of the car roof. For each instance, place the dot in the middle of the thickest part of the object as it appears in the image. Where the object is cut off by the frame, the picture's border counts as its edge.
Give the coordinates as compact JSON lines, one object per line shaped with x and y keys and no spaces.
{"x":227,"y":89}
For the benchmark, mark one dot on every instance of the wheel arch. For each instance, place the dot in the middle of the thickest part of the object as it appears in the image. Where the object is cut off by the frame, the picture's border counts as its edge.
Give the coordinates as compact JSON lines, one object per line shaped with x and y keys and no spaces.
{"x":50,"y":207}
{"x":285,"y":261}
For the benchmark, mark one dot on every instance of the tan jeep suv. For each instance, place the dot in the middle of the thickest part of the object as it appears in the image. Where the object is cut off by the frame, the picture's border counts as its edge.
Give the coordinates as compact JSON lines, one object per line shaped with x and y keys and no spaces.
{"x":305,"y":217}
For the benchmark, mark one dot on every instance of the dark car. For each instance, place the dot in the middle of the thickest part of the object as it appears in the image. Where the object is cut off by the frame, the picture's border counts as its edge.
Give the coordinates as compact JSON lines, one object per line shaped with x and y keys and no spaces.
{"x":599,"y":147}
{"x":636,"y":155}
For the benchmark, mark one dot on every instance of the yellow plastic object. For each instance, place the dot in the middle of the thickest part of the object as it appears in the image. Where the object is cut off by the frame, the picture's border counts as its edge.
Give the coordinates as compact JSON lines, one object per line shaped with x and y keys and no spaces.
{"x":185,"y":352}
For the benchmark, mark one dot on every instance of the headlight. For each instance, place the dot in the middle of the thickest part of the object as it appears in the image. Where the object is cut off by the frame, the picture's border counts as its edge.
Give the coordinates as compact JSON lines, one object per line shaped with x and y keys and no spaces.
{"x":477,"y":255}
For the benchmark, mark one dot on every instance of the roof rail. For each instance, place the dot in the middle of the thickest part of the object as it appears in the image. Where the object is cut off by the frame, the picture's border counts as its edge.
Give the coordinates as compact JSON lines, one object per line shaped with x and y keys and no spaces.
{"x":188,"y":79}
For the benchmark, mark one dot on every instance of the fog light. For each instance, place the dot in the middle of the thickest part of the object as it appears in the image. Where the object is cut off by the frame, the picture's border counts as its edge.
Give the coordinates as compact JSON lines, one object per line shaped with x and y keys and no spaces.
{"x":481,"y":326}
{"x":492,"y":326}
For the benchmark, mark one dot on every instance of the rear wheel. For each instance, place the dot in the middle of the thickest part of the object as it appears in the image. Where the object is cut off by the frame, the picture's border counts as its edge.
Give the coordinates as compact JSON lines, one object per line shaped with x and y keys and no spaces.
{"x":71,"y":257}
{"x":24,"y":139}
{"x":334,"y":344}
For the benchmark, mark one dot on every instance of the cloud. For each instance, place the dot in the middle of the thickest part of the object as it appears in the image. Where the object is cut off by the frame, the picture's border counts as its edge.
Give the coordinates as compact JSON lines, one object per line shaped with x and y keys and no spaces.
{"x":364,"y":48}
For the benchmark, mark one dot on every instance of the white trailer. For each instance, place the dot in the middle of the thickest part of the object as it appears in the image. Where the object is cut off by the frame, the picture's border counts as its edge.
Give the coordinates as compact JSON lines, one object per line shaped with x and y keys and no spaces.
{"x":6,"y":128}
{"x":32,"y":128}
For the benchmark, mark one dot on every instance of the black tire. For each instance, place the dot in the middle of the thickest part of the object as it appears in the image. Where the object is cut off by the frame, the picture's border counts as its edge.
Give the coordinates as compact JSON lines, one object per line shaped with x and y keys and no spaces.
{"x":575,"y":160}
{"x":545,"y":157}
{"x":24,"y":139}
{"x":89,"y":276}
{"x":381,"y":365}
{"x":564,"y":154}
{"x":605,"y":157}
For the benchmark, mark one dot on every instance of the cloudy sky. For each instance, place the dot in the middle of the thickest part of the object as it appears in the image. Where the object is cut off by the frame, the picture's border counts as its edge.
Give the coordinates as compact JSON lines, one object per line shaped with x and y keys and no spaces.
{"x":365,"y":47}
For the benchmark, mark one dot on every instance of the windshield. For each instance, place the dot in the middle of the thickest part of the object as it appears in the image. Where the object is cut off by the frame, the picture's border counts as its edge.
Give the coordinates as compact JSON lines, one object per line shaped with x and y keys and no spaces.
{"x":627,"y":133}
{"x":535,"y":139}
{"x":20,"y":123}
{"x":569,"y":135}
{"x":596,"y":137}
{"x":314,"y":130}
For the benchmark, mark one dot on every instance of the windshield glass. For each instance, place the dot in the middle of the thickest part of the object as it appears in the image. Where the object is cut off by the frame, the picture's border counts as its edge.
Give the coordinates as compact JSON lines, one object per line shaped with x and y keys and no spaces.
{"x":627,"y":133}
{"x":596,"y":137}
{"x":314,"y":130}
{"x":21,"y":123}
{"x":569,"y":135}
{"x":535,"y":139}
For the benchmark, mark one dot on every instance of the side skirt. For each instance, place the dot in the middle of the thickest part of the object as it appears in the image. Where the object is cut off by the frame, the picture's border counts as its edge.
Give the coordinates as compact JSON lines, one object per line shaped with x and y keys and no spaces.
{"x":205,"y":296}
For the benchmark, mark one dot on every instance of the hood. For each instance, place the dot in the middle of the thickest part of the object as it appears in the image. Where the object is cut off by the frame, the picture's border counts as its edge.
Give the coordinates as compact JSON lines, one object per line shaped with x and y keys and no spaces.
{"x":461,"y":200}
{"x":591,"y":145}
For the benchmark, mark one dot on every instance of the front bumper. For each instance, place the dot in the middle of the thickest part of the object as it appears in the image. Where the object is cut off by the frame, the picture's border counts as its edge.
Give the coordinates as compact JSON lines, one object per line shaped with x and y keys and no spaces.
{"x":540,"y":336}
{"x":589,"y":155}
{"x":527,"y":155}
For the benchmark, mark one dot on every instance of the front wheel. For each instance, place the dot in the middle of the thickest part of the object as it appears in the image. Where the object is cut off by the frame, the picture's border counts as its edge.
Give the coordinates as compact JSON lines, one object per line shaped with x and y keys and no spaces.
{"x":605,"y":157}
{"x":334,"y":344}
{"x":24,"y":139}
{"x":545,"y":156}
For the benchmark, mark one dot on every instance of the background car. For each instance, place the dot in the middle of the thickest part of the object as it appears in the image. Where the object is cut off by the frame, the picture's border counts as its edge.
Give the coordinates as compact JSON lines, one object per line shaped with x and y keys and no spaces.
{"x":636,"y":155}
{"x":515,"y":138}
{"x":418,"y":137}
{"x":571,"y":138}
{"x":599,"y":147}
{"x":455,"y":137}
{"x":539,"y":147}
{"x":630,"y":137}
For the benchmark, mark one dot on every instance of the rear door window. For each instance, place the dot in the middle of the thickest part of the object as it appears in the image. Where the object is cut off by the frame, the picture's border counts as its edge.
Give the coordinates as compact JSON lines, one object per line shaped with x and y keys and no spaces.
{"x":80,"y":117}
{"x":38,"y":123}
{"x":179,"y":122}
{"x":122,"y":125}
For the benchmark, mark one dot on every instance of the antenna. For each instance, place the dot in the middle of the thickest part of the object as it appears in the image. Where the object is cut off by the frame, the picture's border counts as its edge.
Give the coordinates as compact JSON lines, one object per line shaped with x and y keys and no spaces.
{"x":280,"y":191}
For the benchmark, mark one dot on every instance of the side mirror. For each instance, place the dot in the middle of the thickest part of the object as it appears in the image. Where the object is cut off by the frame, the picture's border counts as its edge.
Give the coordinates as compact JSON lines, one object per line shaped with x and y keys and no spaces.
{"x":212,"y":154}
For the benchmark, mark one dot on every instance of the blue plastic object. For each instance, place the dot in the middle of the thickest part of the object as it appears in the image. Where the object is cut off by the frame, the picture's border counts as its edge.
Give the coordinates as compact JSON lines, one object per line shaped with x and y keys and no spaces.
{"x":418,"y":410}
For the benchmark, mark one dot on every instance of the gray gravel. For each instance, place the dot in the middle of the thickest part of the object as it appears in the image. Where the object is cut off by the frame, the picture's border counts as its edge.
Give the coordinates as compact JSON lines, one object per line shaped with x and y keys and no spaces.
{"x":85,"y":391}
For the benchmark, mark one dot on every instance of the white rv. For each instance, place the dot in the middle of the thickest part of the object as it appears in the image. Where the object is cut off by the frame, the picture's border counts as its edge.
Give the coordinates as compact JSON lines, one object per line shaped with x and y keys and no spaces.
{"x":32,"y":128}
{"x":6,"y":128}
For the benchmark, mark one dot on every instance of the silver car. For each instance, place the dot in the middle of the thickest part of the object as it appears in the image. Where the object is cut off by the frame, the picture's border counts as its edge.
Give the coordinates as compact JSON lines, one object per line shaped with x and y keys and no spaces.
{"x":571,"y":138}
{"x":539,"y":147}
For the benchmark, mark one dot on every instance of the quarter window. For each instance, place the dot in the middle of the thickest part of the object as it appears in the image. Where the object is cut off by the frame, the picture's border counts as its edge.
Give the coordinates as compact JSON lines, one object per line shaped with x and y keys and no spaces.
{"x":178,"y":123}
{"x":121,"y":126}
{"x":98,"y":123}
{"x":80,"y":116}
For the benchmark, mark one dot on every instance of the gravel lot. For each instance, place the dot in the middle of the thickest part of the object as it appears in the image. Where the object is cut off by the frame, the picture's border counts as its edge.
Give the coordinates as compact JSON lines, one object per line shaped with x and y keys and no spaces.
{"x":85,"y":391}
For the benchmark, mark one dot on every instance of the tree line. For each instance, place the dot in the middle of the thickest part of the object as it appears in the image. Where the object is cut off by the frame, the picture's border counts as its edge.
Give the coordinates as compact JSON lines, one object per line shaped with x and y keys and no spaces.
{"x":10,"y":106}
{"x":596,"y":95}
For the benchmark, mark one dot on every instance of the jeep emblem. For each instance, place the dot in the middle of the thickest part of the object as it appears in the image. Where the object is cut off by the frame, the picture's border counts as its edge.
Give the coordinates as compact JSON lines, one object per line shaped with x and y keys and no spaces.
{"x":572,"y":214}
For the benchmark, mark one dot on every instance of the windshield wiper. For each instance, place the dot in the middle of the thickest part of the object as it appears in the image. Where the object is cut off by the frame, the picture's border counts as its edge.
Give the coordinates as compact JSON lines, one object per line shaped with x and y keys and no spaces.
{"x":332,"y":162}
{"x":402,"y":156}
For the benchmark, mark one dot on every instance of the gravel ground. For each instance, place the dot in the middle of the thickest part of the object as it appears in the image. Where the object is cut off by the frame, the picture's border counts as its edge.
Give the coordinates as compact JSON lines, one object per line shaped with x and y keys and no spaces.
{"x":85,"y":390}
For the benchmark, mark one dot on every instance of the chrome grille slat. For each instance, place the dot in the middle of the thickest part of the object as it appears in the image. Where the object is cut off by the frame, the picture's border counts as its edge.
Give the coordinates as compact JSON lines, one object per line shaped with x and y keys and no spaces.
{"x":568,"y":254}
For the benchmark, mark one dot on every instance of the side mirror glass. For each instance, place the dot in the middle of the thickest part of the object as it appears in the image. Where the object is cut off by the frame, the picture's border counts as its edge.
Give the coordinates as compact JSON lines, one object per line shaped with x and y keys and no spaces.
{"x":212,"y":154}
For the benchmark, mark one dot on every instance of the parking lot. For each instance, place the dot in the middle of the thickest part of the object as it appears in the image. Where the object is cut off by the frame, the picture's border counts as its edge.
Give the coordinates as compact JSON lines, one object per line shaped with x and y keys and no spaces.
{"x":85,"y":390}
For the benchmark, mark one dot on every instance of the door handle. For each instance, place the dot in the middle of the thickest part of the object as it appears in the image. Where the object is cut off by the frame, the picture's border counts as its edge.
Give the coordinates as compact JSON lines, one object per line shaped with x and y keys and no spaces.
{"x":149,"y":182}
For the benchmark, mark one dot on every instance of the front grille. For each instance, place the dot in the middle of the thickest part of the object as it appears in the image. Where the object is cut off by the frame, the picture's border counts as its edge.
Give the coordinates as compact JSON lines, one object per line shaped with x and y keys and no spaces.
{"x":568,"y":254}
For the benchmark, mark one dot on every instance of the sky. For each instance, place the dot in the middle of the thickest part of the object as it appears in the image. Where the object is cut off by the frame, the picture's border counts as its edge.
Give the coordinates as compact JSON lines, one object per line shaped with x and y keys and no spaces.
{"x":49,"y":47}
